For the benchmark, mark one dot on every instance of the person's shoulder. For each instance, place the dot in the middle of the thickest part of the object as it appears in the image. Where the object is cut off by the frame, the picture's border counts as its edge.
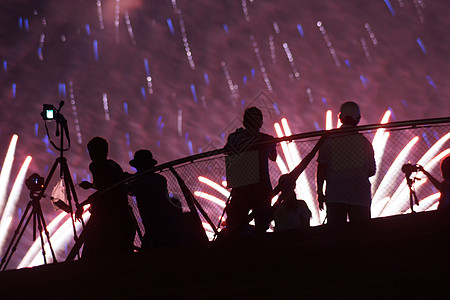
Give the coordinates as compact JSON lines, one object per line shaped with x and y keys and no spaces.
{"x":97,"y":165}
{"x":112,"y":162}
{"x":156,"y":177}
{"x":114,"y":165}
{"x":235,"y":136}
{"x":265,"y":136}
{"x":366,"y":141}
{"x":445,"y":185}
{"x":237,"y":132}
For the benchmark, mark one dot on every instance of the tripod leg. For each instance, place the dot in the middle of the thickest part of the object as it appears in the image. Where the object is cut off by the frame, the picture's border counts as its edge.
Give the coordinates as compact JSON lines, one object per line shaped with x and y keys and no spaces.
{"x":17,"y":236}
{"x":47,"y":181}
{"x":42,"y":241}
{"x":43,"y":227}
{"x":34,"y":224}
{"x":70,"y":191}
{"x":68,"y":180}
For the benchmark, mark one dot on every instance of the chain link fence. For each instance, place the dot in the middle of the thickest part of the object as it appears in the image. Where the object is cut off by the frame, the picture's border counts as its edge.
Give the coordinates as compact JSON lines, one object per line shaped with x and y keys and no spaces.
{"x":395,"y":144}
{"x":197,"y":184}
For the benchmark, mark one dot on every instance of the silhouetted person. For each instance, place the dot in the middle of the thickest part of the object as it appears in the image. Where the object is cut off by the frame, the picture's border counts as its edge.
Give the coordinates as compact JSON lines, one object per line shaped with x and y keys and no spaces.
{"x":444,"y":186}
{"x":111,"y":228}
{"x":292,"y":213}
{"x":345,"y":163}
{"x":248,"y":175}
{"x":157,"y":212}
{"x":287,"y":211}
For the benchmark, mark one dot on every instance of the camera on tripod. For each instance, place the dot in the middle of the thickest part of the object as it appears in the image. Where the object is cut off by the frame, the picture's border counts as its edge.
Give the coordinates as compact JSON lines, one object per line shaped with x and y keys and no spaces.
{"x":35,"y":183}
{"x":49,"y":112}
{"x":410,"y":168}
{"x":38,"y":185}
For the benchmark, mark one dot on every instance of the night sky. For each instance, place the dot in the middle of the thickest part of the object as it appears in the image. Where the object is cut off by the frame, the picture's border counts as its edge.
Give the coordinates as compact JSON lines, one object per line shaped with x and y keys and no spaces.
{"x":387,"y":55}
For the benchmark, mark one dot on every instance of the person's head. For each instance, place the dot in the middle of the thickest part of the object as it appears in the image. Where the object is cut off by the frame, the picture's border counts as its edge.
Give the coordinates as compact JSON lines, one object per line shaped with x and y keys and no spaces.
{"x":349,"y":113}
{"x":445,"y":168}
{"x":98,"y":148}
{"x":290,"y":200}
{"x":253,"y":118}
{"x":143,"y":159}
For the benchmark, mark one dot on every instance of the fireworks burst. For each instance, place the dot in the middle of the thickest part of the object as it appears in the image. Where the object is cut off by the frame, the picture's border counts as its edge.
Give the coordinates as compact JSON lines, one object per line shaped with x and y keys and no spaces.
{"x":385,"y":201}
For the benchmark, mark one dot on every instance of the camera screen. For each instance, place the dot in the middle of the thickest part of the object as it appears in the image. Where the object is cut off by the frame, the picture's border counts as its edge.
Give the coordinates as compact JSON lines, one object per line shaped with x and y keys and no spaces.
{"x":49,"y":114}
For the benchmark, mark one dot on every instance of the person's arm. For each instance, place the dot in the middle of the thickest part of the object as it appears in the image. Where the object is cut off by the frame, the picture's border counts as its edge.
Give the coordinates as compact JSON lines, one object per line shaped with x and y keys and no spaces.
{"x":321,"y":175}
{"x":85,"y":185}
{"x":80,"y":207}
{"x":287,"y":181}
{"x":130,"y":185}
{"x":273,"y":154}
{"x":433,"y":180}
{"x":372,"y":168}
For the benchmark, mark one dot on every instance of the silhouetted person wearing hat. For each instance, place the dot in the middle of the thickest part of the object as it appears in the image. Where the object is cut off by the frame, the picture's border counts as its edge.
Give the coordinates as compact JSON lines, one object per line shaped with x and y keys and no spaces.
{"x":346,"y":161}
{"x":157,"y":212}
{"x":111,"y":228}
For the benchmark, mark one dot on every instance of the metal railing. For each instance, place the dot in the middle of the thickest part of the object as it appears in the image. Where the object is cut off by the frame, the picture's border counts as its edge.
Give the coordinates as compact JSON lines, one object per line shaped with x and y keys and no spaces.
{"x":199,"y":181}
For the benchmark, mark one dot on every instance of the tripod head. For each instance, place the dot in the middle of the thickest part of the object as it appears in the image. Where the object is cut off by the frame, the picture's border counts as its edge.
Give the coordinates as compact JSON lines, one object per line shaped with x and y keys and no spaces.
{"x":50,"y":113}
{"x":35,"y":183}
{"x":408,"y":169}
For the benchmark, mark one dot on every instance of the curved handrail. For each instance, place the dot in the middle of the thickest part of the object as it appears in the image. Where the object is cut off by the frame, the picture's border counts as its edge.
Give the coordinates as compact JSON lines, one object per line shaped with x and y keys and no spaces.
{"x":192,"y":158}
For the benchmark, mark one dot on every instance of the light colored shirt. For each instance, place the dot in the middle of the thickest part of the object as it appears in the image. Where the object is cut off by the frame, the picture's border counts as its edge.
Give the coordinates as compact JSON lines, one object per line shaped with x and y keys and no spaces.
{"x":350,"y":162}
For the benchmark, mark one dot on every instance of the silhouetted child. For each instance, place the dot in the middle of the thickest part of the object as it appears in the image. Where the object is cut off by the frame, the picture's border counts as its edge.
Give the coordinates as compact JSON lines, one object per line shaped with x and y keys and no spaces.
{"x":157,"y":212}
{"x":292,"y":213}
{"x":288,"y":212}
{"x":111,"y":228}
{"x":444,"y":186}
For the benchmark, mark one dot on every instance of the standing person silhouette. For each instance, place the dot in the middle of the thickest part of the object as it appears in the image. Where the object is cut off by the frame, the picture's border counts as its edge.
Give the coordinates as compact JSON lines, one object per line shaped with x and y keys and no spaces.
{"x":248,"y":175}
{"x":345,"y":163}
{"x":112,"y":228}
{"x":158,"y":214}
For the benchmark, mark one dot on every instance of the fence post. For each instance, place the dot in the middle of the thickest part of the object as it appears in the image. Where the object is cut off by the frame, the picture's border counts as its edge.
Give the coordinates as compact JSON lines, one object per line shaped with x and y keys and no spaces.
{"x":193,"y":204}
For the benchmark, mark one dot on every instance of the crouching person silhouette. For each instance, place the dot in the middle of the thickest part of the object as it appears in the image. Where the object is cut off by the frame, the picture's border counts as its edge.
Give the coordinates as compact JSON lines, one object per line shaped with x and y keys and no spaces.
{"x":291,"y":213}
